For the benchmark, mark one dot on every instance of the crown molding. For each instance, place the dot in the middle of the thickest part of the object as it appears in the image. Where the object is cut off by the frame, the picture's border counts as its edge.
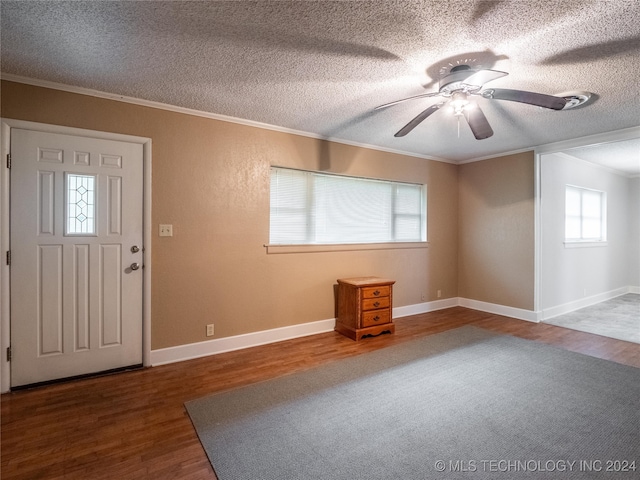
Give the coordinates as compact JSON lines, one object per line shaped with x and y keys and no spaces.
{"x":199,"y":113}
{"x":496,"y":155}
{"x":590,"y":140}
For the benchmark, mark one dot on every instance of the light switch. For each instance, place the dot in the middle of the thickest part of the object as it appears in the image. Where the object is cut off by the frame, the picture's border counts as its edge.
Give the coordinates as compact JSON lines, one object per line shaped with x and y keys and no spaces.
{"x":166,"y":230}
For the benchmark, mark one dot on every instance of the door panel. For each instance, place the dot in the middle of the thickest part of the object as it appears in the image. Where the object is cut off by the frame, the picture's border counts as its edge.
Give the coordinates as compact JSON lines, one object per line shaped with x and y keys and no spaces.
{"x":50,"y":300}
{"x":76,"y":211}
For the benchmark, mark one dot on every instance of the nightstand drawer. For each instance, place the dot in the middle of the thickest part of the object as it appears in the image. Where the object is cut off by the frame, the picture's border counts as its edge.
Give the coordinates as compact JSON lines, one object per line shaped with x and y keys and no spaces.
{"x":376,"y":292}
{"x":373,"y":303}
{"x":375,"y":317}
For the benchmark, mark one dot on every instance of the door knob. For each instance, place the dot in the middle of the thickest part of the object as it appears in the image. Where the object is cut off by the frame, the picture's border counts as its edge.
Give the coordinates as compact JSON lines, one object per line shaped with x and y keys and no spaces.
{"x":135,"y":266}
{"x":135,"y":249}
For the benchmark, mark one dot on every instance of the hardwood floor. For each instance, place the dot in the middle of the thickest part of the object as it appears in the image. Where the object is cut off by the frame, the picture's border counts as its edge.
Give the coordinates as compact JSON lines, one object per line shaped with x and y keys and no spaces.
{"x":133,"y":425}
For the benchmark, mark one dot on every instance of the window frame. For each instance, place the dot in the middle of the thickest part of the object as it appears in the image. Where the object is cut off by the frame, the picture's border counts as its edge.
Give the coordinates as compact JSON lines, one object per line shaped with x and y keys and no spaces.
{"x":394,"y":215}
{"x":583,"y":241}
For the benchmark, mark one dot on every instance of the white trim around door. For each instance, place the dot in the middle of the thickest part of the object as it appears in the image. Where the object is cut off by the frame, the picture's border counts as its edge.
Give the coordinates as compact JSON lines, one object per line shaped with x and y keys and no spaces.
{"x":5,"y":321}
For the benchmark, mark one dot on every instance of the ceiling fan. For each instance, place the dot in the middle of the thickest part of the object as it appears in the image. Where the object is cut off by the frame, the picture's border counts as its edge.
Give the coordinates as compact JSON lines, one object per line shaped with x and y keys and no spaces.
{"x":462,"y":82}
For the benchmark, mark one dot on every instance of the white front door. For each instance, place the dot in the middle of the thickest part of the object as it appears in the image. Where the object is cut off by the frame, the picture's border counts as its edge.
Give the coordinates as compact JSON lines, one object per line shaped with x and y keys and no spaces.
{"x":76,"y":255}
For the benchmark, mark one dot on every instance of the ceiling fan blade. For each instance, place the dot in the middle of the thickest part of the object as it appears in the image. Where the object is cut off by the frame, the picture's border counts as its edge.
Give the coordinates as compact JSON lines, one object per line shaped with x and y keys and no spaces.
{"x":483,"y":76}
{"x":538,"y":99}
{"x":478,"y":123}
{"x":422,"y":95}
{"x":416,"y":121}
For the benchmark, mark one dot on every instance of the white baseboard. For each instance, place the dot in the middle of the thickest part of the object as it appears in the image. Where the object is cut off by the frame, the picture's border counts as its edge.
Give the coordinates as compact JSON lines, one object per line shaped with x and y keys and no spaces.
{"x":569,"y":307}
{"x":425,"y":307}
{"x":512,"y":312}
{"x":220,"y":345}
{"x":237,"y":342}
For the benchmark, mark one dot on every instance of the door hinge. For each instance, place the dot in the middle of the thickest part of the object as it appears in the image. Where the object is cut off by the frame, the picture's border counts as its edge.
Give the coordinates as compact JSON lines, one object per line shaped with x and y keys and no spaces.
{"x":8,"y":257}
{"x":8,"y":160}
{"x":8,"y":354}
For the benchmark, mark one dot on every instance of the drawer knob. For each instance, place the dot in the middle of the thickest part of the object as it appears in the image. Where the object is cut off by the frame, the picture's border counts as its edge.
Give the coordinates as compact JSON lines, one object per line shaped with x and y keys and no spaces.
{"x":376,"y":304}
{"x":376,"y":293}
{"x":376,"y":318}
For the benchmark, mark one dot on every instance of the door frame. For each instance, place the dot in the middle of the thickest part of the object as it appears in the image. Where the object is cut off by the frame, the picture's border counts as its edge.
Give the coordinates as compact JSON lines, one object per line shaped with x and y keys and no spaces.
{"x":595,"y":139}
{"x":5,"y":294}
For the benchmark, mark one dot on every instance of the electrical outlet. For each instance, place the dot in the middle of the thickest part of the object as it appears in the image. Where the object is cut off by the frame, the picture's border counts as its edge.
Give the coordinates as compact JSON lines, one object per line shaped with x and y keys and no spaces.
{"x":439,"y":293}
{"x":166,"y":230}
{"x":210,"y":330}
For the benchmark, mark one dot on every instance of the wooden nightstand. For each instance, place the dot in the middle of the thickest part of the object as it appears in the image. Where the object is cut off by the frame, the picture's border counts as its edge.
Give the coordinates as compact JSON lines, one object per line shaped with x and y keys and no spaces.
{"x":365,"y":306}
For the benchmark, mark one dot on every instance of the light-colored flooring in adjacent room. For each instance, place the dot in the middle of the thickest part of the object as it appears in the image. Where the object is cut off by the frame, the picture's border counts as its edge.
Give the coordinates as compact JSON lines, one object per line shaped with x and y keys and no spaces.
{"x":616,"y":318}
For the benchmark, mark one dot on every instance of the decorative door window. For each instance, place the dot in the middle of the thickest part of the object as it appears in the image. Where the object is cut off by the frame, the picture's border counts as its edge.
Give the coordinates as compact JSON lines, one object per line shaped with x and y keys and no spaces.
{"x":81,"y":200}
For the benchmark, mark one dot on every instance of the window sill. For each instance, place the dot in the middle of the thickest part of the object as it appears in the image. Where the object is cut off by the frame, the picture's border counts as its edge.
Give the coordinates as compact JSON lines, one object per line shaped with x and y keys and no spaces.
{"x":585,"y":244}
{"x":347,"y":247}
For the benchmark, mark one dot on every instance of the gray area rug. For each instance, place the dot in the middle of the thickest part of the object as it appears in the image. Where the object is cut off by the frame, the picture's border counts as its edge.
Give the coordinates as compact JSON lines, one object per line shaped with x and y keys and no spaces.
{"x":616,"y":318}
{"x":462,"y":404}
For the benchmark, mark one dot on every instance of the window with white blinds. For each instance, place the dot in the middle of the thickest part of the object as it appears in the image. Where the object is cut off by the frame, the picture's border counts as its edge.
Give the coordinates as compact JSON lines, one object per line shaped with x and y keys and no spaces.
{"x":585,"y":215}
{"x":319,"y":208}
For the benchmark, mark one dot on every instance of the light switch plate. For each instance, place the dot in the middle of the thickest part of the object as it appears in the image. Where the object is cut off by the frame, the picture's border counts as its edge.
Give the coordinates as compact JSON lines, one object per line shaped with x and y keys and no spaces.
{"x":166,"y":230}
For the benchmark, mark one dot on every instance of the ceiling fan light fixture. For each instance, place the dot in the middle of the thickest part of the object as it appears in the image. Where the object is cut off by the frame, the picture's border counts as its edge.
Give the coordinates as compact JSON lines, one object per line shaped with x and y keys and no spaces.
{"x":458,"y":103}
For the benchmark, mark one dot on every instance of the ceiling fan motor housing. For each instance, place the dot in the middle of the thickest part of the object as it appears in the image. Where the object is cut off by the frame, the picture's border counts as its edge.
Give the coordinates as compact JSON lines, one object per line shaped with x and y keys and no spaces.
{"x":455,"y":79}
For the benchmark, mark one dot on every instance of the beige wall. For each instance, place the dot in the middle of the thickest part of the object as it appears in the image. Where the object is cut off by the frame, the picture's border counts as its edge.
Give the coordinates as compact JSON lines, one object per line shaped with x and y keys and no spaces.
{"x":496,"y":231}
{"x":211,"y":181}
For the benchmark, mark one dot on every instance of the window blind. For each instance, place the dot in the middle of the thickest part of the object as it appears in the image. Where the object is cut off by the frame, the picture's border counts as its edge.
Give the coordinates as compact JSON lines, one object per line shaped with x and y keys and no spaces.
{"x":317,"y":208}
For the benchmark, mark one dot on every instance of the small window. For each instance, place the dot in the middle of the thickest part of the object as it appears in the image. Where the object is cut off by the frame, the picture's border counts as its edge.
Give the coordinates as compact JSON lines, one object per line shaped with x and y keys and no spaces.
{"x":585,"y":215}
{"x":81,"y":199}
{"x":318,"y":208}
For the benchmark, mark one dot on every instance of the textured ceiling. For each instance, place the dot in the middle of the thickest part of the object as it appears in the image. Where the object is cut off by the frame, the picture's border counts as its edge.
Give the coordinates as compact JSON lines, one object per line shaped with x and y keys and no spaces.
{"x":623,"y":156}
{"x":321,"y":67}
